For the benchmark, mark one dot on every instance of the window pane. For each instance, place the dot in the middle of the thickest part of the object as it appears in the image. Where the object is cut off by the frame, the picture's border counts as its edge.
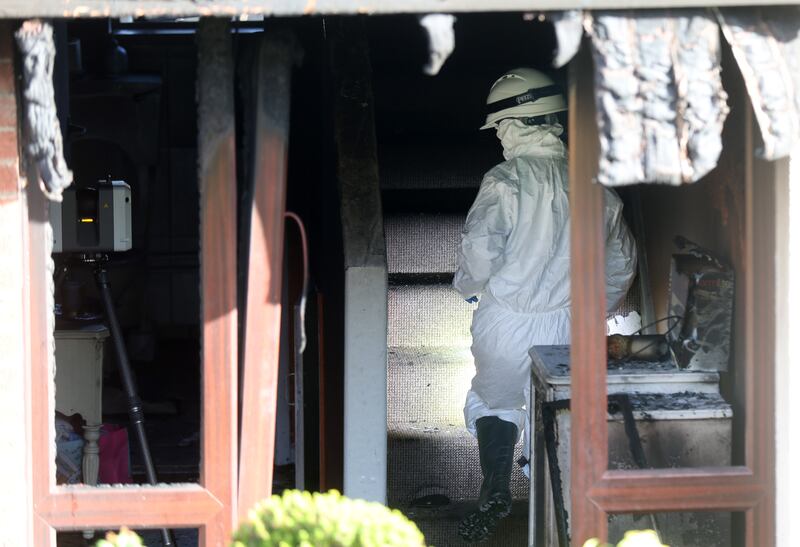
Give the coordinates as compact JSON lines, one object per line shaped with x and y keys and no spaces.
{"x":140,"y":131}
{"x":709,"y":529}
{"x":181,"y":537}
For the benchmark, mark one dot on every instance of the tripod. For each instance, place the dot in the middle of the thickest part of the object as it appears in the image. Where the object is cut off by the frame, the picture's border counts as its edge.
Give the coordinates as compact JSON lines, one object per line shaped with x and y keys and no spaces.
{"x":124,"y":367}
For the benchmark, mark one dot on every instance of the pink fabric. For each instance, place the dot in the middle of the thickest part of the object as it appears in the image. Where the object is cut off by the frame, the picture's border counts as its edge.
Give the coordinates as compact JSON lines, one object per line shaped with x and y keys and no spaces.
{"x":114,"y":456}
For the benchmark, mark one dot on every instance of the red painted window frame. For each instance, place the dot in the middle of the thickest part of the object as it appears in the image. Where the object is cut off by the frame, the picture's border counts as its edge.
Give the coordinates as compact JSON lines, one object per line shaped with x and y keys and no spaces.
{"x":598,"y":491}
{"x":210,"y":505}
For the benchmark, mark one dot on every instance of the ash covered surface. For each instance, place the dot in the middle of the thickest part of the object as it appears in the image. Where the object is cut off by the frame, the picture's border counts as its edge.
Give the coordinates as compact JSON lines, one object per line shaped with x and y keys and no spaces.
{"x":634,"y":366}
{"x":685,"y":400}
{"x":556,"y":360}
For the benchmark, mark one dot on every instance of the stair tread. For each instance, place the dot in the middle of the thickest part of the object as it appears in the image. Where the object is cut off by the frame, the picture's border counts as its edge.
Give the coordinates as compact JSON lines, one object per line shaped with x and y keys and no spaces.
{"x":511,"y":531}
{"x":427,"y":387}
{"x":449,"y":463}
{"x":421,"y":430}
{"x":440,"y":525}
{"x":449,"y":353}
{"x":422,"y":243}
{"x":458,"y":509}
{"x":428,"y":315}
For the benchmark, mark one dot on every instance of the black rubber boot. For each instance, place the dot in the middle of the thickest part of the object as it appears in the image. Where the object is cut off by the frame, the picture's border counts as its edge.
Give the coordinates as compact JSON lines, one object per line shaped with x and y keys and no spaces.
{"x":496,"y":440}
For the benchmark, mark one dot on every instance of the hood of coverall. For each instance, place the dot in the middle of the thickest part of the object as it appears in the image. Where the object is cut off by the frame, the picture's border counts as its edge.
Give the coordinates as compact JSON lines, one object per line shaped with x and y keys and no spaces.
{"x":519,"y":139}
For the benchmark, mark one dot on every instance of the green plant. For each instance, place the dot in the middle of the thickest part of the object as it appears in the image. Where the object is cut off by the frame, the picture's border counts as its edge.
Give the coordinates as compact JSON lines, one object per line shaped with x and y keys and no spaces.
{"x":125,"y":538}
{"x":633,"y":538}
{"x":302,"y":519}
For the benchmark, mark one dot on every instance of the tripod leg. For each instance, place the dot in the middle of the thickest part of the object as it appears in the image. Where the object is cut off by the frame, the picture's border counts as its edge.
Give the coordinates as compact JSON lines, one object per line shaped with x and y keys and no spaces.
{"x":134,"y":403}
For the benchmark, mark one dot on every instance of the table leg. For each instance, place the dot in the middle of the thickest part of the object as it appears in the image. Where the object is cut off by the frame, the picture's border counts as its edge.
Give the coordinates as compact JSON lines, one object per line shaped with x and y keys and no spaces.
{"x":91,"y":461}
{"x":537,"y":532}
{"x":536,"y":460}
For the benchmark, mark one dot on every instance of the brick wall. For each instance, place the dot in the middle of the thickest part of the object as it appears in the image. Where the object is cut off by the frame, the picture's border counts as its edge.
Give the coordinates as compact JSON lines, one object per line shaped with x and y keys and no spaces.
{"x":9,"y":159}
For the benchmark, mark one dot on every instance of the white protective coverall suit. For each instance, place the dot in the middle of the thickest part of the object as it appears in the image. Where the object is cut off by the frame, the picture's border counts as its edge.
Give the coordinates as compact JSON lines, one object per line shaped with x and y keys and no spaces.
{"x":514,"y":254}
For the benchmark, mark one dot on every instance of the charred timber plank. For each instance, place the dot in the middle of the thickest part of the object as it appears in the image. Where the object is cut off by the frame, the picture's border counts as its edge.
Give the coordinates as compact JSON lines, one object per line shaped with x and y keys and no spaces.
{"x":357,"y":169}
{"x":272,"y":74}
{"x":365,"y":264}
{"x":217,"y":181}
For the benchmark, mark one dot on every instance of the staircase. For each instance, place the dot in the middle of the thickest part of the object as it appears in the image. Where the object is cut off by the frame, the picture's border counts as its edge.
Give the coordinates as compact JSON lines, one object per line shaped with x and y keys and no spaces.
{"x":433,"y":467}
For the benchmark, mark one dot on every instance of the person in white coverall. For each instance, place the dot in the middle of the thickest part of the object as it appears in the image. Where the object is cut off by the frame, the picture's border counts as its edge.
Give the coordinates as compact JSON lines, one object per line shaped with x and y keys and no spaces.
{"x":514,"y":260}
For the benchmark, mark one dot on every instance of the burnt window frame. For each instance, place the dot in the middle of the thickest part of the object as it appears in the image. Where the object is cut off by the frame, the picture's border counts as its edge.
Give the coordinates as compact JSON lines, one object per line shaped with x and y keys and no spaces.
{"x":596,"y":490}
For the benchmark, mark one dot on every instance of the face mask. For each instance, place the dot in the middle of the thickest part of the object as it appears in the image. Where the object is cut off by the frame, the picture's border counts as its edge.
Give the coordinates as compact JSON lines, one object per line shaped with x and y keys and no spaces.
{"x":518,"y":138}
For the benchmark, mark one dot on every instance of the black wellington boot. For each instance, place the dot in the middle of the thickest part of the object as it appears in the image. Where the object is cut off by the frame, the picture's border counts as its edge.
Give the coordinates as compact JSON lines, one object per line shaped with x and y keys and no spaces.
{"x":496,"y":440}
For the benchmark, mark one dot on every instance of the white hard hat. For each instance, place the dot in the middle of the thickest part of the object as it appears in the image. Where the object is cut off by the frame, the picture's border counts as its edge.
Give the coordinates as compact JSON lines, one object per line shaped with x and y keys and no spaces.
{"x":522,"y":93}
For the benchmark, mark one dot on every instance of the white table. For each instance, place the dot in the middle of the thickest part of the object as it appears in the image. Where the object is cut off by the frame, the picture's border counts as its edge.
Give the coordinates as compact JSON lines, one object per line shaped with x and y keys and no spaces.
{"x":702,"y":420}
{"x":79,"y":386}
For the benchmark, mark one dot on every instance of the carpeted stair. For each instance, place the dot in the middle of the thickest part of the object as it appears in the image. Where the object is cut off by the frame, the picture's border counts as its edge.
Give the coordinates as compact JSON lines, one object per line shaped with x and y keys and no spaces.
{"x":433,"y":468}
